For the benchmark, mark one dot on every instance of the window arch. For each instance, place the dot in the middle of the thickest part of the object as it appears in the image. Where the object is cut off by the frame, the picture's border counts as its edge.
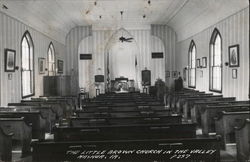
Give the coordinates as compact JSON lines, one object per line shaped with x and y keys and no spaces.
{"x":215,"y":66}
{"x":192,"y":65}
{"x":27,"y":63}
{"x":51,"y":59}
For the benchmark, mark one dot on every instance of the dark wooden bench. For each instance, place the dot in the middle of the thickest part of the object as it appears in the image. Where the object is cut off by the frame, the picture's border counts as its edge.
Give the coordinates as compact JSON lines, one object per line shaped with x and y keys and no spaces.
{"x":123,"y":108}
{"x":68,"y":102}
{"x":58,"y":107}
{"x":205,"y":149}
{"x":20,"y":129}
{"x":46,"y":111}
{"x":243,"y":141}
{"x":135,"y":113}
{"x":225,"y":122}
{"x":122,"y":132}
{"x":188,"y":102}
{"x":71,"y":99}
{"x":209,"y":112}
{"x":181,"y":100}
{"x":197,"y":105}
{"x":175,"y":97}
{"x":87,"y":121}
{"x":170,"y":96}
{"x":5,"y":145}
{"x":120,"y":105}
{"x":38,"y":122}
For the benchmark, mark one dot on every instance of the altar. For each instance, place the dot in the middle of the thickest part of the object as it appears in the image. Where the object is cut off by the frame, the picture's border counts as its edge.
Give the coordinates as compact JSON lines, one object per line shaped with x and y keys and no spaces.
{"x":122,"y":85}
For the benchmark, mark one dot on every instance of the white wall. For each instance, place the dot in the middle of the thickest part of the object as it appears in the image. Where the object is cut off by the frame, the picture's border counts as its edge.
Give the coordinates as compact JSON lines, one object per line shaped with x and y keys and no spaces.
{"x":168,"y":36}
{"x":234,"y":30}
{"x":73,"y":39}
{"x":85,"y":66}
{"x":122,"y":60}
{"x":11,"y":32}
{"x":158,"y":64}
{"x":101,"y":38}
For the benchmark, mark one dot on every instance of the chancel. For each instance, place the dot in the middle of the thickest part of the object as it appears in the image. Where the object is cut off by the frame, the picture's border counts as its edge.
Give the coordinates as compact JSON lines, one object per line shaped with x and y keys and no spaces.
{"x":124,"y":80}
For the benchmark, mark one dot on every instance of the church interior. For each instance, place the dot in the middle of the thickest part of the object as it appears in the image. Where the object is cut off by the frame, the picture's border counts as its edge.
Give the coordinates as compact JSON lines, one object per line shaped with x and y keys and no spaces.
{"x":124,"y":81}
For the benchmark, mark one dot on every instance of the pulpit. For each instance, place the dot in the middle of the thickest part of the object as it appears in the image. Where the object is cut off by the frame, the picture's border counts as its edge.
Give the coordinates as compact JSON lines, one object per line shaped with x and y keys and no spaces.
{"x":122,"y":85}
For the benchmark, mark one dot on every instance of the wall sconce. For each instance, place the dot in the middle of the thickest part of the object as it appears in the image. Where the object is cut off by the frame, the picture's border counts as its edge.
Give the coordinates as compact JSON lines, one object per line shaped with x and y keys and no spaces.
{"x":226,"y":63}
{"x":16,"y":67}
{"x":46,"y":69}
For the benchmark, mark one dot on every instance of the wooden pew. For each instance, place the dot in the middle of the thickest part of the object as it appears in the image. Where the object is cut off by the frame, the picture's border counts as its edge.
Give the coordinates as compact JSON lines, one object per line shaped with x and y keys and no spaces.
{"x":209,"y":112}
{"x":46,"y":112}
{"x":182,"y":98}
{"x":195,"y":109}
{"x":180,"y":94}
{"x":22,"y":132}
{"x":242,"y":133}
{"x":110,"y":113}
{"x":189,"y":102}
{"x":205,"y":149}
{"x":57,"y":106}
{"x":225,"y":122}
{"x":167,"y":119}
{"x":172,"y":95}
{"x":38,"y":122}
{"x":176,"y":97}
{"x":71,"y":99}
{"x":5,"y":145}
{"x":123,"y":132}
{"x":123,"y":108}
{"x":122,"y":105}
{"x":68,"y":102}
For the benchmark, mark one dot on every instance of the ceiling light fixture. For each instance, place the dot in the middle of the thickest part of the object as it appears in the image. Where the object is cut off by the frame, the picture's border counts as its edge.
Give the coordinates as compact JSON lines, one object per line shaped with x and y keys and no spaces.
{"x":144,"y":16}
{"x":100,"y":16}
{"x":95,"y":3}
{"x":149,"y":2}
{"x":122,"y":38}
{"x":121,"y":14}
{"x":5,"y":7}
{"x":87,"y":12}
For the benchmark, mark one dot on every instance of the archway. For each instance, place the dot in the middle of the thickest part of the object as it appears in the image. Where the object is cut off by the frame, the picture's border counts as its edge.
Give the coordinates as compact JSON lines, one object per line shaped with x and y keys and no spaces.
{"x":121,"y":58}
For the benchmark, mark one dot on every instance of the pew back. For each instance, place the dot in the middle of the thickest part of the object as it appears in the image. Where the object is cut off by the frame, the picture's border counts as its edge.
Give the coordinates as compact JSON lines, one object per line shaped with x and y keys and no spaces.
{"x":5,"y":145}
{"x":21,"y":131}
{"x":195,"y":150}
{"x":243,"y":141}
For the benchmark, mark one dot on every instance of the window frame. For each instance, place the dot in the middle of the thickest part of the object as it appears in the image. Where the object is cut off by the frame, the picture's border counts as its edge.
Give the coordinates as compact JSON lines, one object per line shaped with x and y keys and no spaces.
{"x":191,"y":46}
{"x":30,"y":43}
{"x":212,"y":43}
{"x":48,"y":61}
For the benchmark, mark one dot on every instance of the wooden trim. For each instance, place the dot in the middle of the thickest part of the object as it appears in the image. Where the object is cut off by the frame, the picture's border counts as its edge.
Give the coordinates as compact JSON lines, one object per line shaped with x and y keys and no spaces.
{"x":27,"y":96}
{"x":191,"y":86}
{"x":213,"y":90}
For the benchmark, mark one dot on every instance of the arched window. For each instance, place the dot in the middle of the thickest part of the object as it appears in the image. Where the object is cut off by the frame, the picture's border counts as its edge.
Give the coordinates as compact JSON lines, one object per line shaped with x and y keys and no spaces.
{"x":27,"y":70}
{"x":51,"y":59}
{"x":215,"y":67}
{"x":192,"y":65}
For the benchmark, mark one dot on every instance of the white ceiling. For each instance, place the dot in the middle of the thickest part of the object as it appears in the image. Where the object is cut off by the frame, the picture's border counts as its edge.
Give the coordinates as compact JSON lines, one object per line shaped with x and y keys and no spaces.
{"x":56,"y":17}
